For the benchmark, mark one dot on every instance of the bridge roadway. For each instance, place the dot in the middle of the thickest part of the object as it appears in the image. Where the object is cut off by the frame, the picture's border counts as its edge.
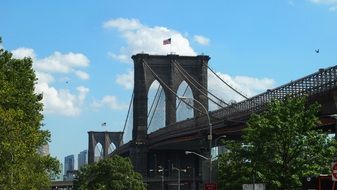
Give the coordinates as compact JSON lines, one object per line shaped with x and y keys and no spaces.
{"x":62,"y":185}
{"x":320,"y":86}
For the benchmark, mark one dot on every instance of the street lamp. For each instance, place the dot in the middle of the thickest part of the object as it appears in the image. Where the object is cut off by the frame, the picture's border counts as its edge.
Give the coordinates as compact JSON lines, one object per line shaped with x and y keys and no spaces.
{"x":161,"y":170}
{"x":184,"y":170}
{"x":190,"y":152}
{"x":210,"y":132}
{"x":162,"y":178}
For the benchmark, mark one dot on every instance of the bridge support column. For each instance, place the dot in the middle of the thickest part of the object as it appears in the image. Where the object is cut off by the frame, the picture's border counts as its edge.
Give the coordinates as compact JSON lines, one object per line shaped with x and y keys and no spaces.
{"x":105,"y":139}
{"x":138,"y":156}
{"x":163,"y":69}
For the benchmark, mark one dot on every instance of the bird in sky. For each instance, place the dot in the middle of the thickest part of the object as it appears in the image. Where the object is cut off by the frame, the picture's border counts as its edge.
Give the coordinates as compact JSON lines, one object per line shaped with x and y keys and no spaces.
{"x":317,"y":50}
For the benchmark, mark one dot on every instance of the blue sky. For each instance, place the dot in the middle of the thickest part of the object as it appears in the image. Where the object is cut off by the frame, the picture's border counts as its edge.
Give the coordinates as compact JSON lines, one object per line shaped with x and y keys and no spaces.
{"x":82,"y":49}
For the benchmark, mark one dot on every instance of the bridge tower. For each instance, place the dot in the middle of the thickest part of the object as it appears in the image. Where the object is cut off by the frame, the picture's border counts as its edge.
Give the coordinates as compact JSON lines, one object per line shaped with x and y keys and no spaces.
{"x":147,"y":69}
{"x":105,"y":138}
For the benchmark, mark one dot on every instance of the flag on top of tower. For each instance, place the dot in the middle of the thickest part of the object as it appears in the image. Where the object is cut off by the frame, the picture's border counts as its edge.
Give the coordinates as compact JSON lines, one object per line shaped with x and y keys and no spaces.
{"x":167,"y":41}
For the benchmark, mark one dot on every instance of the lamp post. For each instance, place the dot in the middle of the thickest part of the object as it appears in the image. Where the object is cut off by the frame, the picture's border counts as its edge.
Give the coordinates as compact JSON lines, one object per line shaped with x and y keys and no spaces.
{"x":162,"y":178}
{"x":161,"y":170}
{"x":177,"y":169}
{"x":209,"y":136}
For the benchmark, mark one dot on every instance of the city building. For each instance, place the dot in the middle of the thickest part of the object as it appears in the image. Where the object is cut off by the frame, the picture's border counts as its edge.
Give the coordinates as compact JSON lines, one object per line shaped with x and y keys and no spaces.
{"x":82,"y":158}
{"x":69,"y":162}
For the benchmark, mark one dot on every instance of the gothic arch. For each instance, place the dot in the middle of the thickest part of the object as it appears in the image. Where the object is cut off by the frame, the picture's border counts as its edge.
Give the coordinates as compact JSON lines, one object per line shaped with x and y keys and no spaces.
{"x":111,"y":148}
{"x":184,"y":111}
{"x":165,"y":69}
{"x":105,"y":139}
{"x":98,"y":152}
{"x":156,"y":107}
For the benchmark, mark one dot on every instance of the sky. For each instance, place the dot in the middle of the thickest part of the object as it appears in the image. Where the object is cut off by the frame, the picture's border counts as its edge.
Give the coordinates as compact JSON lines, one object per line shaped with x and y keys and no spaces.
{"x":81,"y":51}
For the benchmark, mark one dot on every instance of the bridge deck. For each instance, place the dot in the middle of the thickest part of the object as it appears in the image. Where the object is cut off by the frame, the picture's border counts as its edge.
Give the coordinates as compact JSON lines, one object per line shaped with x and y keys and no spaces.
{"x":318,"y":86}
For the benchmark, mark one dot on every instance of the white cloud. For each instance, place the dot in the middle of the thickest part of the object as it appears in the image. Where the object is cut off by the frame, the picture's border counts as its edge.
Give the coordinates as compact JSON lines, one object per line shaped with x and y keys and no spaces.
{"x":21,"y":53}
{"x":248,"y":86}
{"x":110,"y":102}
{"x":83,"y":91}
{"x":201,"y":40}
{"x":141,"y":38}
{"x":324,"y":1}
{"x":331,"y":3}
{"x":125,"y":80}
{"x":44,"y":77}
{"x":121,"y":57}
{"x":62,"y":63}
{"x":55,"y":63}
{"x":58,"y":101}
{"x":123,"y":24}
{"x":82,"y":75}
{"x":333,"y":8}
{"x":61,"y":101}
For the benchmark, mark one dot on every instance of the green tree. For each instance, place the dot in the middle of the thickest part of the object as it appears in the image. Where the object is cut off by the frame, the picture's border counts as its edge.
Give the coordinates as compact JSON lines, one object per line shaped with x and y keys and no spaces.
{"x":20,"y":128}
{"x":114,"y":173}
{"x":280,"y":146}
{"x":232,"y":166}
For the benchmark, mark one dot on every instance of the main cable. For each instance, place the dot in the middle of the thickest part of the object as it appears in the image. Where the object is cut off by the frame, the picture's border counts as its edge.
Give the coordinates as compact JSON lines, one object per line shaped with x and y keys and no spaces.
{"x":127,"y":117}
{"x":179,"y":68}
{"x":227,"y":84}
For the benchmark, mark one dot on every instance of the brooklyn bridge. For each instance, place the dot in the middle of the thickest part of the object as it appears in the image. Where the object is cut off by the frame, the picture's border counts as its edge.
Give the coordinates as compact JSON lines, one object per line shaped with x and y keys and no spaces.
{"x":175,"y":125}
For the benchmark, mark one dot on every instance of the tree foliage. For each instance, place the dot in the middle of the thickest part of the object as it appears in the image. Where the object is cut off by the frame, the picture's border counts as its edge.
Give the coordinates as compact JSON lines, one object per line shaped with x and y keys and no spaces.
{"x":114,"y":173}
{"x":20,"y":133}
{"x":279,"y":147}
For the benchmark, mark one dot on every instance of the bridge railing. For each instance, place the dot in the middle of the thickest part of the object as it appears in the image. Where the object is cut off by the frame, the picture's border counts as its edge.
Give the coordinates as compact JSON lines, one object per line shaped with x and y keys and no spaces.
{"x":323,"y":80}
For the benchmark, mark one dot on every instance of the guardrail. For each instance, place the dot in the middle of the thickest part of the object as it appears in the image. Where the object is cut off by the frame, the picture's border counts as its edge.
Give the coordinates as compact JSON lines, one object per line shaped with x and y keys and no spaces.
{"x":321,"y":81}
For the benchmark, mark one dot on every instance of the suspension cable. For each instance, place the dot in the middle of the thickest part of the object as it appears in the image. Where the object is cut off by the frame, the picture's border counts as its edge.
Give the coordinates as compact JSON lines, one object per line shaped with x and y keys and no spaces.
{"x":179,"y":68}
{"x":183,"y":95}
{"x":158,"y":99}
{"x":155,"y":97}
{"x":162,"y":82}
{"x":227,"y":83}
{"x":127,"y":117}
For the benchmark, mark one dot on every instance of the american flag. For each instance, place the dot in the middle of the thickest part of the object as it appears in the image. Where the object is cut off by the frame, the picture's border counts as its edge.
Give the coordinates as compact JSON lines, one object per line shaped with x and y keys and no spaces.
{"x":167,"y":41}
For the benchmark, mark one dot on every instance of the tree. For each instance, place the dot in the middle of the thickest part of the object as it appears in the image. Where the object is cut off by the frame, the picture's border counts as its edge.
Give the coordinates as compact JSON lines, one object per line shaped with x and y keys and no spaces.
{"x":233,"y":167}
{"x":20,"y":133}
{"x":114,"y":173}
{"x":280,"y":146}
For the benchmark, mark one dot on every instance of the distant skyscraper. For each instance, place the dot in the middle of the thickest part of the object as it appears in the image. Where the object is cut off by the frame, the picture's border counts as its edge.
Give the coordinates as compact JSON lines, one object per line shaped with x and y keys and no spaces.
{"x":82,"y":158}
{"x":69,"y":163}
